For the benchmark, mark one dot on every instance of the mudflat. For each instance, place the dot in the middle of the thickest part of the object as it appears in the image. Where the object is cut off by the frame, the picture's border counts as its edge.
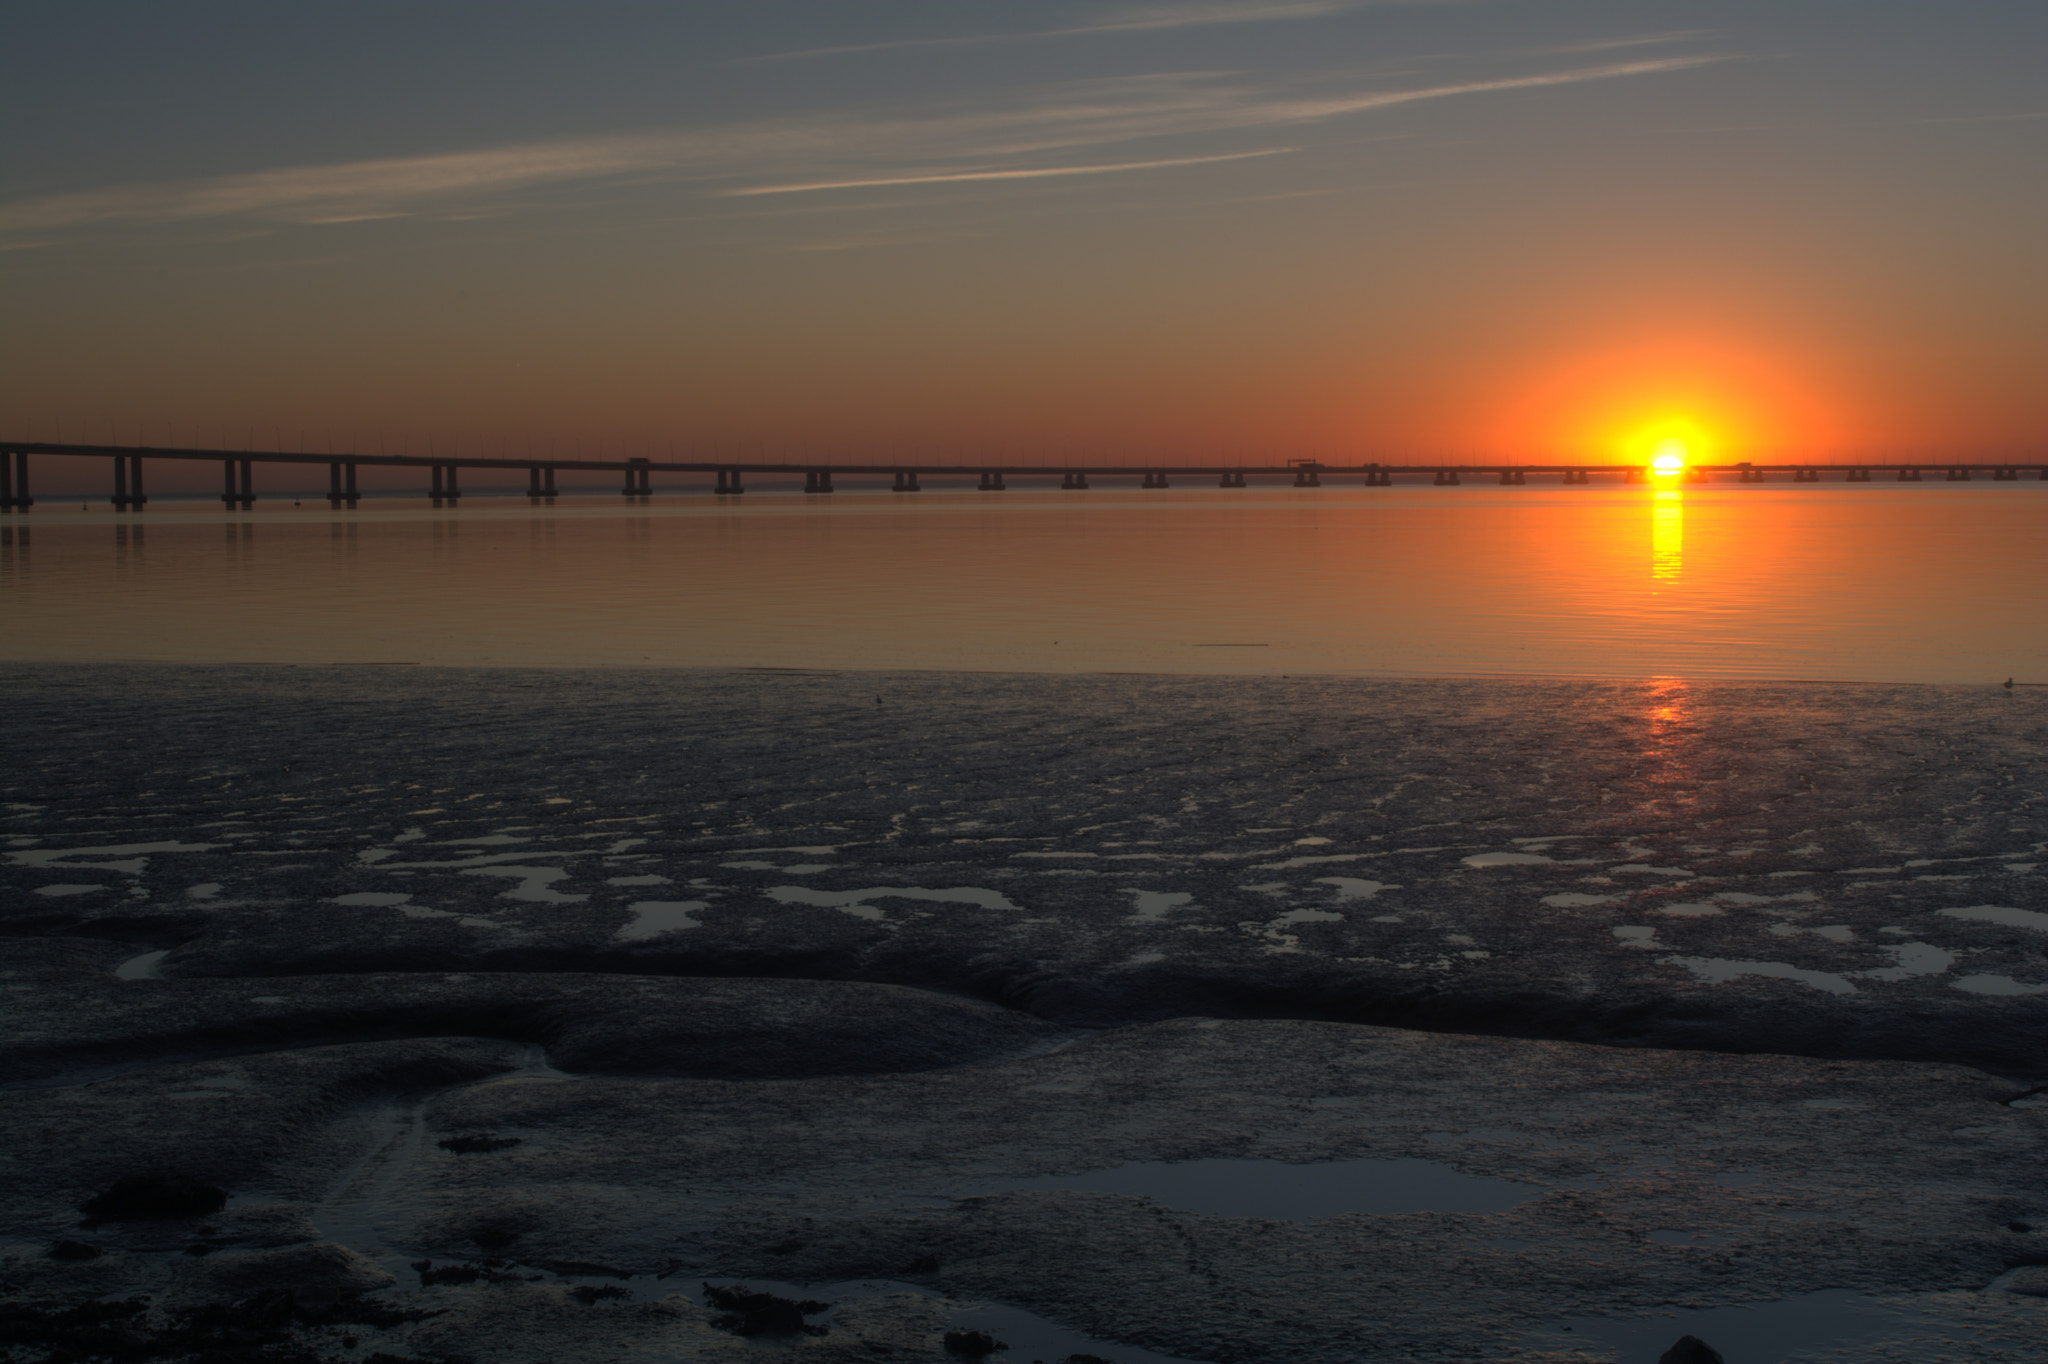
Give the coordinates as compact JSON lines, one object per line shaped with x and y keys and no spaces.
{"x":1521,"y":1019}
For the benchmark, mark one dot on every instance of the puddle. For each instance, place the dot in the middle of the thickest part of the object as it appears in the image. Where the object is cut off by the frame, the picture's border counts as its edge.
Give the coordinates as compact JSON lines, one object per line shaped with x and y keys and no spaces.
{"x":2005,"y":915}
{"x":1997,"y":985}
{"x":143,"y":967}
{"x":1719,"y":971}
{"x":656,"y":917}
{"x":1026,"y":1336}
{"x":1765,"y":1333}
{"x":1296,"y":1193}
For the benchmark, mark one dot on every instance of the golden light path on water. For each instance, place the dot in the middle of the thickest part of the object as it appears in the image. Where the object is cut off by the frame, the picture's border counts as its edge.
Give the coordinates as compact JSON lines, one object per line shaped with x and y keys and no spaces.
{"x":1874,"y":582}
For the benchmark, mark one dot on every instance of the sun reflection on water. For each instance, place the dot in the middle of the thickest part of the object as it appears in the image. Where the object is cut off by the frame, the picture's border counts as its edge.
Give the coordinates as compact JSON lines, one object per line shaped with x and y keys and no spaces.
{"x":1667,"y":535}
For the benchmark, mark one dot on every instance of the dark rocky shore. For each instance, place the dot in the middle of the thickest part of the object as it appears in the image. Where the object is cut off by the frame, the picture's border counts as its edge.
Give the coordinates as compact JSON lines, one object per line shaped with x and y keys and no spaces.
{"x":509,"y":1009}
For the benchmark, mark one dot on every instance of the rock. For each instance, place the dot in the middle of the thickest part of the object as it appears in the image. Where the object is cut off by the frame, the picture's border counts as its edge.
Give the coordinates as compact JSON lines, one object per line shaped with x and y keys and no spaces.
{"x":747,"y":1313}
{"x":477,"y":1143}
{"x":1690,"y":1350}
{"x":135,"y":1198}
{"x":973,"y":1344}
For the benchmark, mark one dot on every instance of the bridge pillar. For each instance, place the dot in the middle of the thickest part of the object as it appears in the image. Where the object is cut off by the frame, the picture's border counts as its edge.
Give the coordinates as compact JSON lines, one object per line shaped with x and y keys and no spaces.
{"x":2005,"y":475}
{"x":547,"y":481}
{"x":1507,"y":478}
{"x":1632,"y":475}
{"x":1232,"y":478}
{"x":227,"y":495}
{"x":1909,"y":476}
{"x":1859,"y":476}
{"x":533,"y":482}
{"x":334,"y":483}
{"x":248,"y":497}
{"x":435,"y":492}
{"x":120,"y":498}
{"x":453,"y":491}
{"x":349,"y":485}
{"x":1447,"y":478}
{"x":6,"y":480}
{"x":1957,"y":475}
{"x":824,"y":480}
{"x":811,"y":480}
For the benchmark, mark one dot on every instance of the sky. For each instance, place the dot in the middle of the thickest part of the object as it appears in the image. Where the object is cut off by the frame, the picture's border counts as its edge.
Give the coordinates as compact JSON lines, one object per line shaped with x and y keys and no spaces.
{"x":1188,"y":231}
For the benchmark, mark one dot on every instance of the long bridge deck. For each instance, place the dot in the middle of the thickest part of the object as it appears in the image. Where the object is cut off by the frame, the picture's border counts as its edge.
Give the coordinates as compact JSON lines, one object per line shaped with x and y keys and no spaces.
{"x":729,"y":476}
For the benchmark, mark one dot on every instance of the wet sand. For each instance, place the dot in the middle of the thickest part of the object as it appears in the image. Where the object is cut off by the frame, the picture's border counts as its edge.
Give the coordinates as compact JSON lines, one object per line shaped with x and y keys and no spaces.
{"x":581,"y":988}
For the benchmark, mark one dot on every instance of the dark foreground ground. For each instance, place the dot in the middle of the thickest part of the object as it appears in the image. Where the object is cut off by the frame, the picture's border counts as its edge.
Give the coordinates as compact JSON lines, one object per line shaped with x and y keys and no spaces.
{"x":510,"y":1007}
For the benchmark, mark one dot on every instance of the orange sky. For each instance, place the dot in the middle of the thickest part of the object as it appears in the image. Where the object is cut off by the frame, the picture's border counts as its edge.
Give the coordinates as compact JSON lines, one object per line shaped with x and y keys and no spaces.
{"x":1208,"y":233}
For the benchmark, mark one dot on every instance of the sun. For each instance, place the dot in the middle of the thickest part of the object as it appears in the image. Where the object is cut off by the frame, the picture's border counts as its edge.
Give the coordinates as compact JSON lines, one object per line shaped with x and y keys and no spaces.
{"x":1669,"y":456}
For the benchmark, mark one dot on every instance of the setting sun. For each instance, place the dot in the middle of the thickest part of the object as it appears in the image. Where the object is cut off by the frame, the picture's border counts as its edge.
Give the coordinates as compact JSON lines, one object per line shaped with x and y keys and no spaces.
{"x":1669,"y":457}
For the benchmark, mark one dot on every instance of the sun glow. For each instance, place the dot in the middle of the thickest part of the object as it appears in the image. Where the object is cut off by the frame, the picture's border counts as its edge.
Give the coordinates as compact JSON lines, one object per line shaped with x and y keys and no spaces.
{"x":1668,"y":457}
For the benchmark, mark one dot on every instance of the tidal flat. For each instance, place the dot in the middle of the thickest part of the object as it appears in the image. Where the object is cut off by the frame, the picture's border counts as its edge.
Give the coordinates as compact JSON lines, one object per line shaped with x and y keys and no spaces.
{"x":1147,"y":1017}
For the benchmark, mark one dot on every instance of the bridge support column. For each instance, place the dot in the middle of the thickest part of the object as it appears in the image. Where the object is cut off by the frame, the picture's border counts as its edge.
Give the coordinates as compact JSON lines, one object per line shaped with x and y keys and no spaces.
{"x":334,"y":483}
{"x":1909,"y":476}
{"x":1859,"y":476}
{"x":136,"y":498}
{"x":1232,"y":478}
{"x":435,"y":491}
{"x":6,"y":480}
{"x":729,"y":483}
{"x":547,"y":481}
{"x":1632,"y":475}
{"x":2005,"y":475}
{"x":120,"y":498}
{"x":348,"y":488}
{"x":824,"y":480}
{"x":248,"y":497}
{"x":453,"y":491}
{"x":636,"y":479}
{"x":994,"y":482}
{"x":533,"y":482}
{"x":1447,"y":478}
{"x":1957,"y":475}
{"x":227,"y":494}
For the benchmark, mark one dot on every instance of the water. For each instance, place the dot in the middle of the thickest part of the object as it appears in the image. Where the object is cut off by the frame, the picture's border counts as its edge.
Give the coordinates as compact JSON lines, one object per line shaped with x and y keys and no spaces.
{"x":1760,"y":1333}
{"x":1870,"y":583}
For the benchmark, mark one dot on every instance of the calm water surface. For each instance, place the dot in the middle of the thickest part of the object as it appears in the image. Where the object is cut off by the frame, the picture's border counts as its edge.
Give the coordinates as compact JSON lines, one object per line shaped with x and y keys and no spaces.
{"x":1871,"y":583}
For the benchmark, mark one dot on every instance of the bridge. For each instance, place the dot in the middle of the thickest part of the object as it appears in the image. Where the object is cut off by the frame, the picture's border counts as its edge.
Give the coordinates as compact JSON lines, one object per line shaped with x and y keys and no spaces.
{"x":442,"y":476}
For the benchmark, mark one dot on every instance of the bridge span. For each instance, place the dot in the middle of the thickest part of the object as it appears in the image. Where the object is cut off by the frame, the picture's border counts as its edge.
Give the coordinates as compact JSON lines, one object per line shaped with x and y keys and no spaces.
{"x":442,"y":475}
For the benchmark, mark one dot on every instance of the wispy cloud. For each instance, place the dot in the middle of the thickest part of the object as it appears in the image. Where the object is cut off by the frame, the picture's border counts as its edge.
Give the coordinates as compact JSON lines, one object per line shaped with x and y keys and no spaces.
{"x":1677,"y":35}
{"x":1030,"y":173}
{"x":1123,"y":19}
{"x":833,"y":150}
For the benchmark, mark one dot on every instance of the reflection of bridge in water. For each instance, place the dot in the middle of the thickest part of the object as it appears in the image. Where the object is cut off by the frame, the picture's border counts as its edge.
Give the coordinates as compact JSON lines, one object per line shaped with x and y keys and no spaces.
{"x":728,"y":478}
